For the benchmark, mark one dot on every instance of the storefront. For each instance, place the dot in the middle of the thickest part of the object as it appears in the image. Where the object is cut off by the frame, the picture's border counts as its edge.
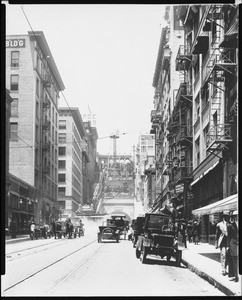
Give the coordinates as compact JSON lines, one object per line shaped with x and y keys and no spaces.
{"x":210,"y":215}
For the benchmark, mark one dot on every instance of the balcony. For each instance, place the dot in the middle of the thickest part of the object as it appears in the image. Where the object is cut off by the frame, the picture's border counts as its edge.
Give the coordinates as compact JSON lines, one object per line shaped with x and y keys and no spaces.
{"x":46,"y":103}
{"x":183,"y":58}
{"x":218,"y":136}
{"x":47,"y":81}
{"x":184,"y":94}
{"x":46,"y":125}
{"x":184,"y":134}
{"x":182,"y":173}
{"x":166,"y":57}
{"x":46,"y":146}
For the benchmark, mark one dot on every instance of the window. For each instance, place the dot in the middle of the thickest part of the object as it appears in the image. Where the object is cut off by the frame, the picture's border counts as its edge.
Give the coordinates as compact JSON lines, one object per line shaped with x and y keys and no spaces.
{"x":14,"y":82}
{"x":61,"y":177}
{"x":36,"y":157}
{"x":53,"y":114}
{"x":56,"y":119}
{"x":197,"y":149}
{"x":61,"y":164}
{"x":37,"y":109}
{"x":61,"y":191}
{"x":14,"y":107}
{"x":62,"y":137}
{"x":62,"y":124}
{"x":14,"y":131}
{"x":14,"y":58}
{"x":62,"y":151}
{"x":55,"y":156}
{"x":37,"y":86}
{"x":37,"y":132}
{"x":53,"y":133}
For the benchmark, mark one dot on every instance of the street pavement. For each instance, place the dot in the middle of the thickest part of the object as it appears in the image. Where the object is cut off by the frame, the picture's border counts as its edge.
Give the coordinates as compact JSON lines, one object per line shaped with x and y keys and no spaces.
{"x":203,"y":259}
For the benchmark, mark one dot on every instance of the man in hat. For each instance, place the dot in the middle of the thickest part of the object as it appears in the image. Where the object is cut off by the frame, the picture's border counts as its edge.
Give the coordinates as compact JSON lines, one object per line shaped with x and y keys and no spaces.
{"x":222,"y":240}
{"x":233,"y":247}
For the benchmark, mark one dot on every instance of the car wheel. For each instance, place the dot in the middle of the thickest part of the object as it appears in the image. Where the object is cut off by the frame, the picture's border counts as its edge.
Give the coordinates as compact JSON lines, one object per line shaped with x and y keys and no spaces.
{"x":144,"y":254}
{"x":178,"y":258}
{"x":137,"y":252}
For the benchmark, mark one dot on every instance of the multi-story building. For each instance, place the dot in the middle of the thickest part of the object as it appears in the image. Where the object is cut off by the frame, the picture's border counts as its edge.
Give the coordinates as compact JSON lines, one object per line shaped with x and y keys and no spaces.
{"x":201,"y":120}
{"x":145,"y":170}
{"x":212,"y":34}
{"x":168,"y":117}
{"x":76,"y":161}
{"x":34,"y":83}
{"x":91,"y":174}
{"x":71,"y":161}
{"x":7,"y":135}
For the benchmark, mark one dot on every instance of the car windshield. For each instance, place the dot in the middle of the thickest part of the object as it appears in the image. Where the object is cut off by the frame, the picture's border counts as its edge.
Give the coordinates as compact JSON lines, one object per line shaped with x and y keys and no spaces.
{"x":158,"y":221}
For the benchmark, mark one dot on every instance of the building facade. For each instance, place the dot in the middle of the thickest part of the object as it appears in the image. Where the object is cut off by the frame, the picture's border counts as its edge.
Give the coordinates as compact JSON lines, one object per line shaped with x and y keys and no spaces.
{"x":91,"y":169}
{"x":201,"y":124}
{"x":34,"y":83}
{"x":70,"y":160}
{"x":145,"y":170}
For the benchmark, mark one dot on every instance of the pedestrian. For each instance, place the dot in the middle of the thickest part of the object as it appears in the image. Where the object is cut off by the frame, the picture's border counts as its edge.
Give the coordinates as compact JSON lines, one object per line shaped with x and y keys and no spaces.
{"x":222,"y":241}
{"x":13,"y":229}
{"x":233,"y":248}
{"x":53,"y":228}
{"x":189,"y":231}
{"x":195,"y":233}
{"x":182,"y":227}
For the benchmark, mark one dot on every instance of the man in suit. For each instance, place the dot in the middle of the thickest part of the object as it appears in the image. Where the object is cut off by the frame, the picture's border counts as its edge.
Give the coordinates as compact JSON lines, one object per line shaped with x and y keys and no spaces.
{"x":233,"y":246}
{"x":222,"y":240}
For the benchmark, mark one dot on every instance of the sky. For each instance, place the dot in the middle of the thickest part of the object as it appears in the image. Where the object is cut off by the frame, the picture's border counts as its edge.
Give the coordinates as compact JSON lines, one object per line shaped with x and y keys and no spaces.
{"x":106,"y":56}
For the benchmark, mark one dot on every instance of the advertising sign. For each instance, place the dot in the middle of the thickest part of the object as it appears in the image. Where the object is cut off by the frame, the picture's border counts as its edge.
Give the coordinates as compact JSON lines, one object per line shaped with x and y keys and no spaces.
{"x":15,"y":43}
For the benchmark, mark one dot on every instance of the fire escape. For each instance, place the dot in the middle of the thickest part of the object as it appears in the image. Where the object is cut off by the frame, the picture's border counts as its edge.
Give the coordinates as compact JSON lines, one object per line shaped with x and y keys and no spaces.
{"x":221,"y":63}
{"x":46,"y":145}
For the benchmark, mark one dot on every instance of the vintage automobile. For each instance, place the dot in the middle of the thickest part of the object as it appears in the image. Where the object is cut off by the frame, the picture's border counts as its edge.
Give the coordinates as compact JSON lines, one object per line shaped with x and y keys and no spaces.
{"x":108,"y":232}
{"x":160,"y":238}
{"x":60,"y":229}
{"x":137,"y":228}
{"x":122,"y":224}
{"x":78,"y":227}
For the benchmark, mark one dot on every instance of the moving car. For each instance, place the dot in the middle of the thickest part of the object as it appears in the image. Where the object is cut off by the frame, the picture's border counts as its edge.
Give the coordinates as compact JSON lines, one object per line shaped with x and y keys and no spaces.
{"x":160,"y":238}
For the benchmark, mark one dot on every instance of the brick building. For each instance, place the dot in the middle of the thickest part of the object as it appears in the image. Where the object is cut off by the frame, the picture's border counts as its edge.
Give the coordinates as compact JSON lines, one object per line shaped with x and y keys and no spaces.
{"x":34,"y":83}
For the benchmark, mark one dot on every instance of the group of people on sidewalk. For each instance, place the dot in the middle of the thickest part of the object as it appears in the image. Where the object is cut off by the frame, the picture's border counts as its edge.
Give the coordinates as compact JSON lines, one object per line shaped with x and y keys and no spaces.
{"x":227,"y":241}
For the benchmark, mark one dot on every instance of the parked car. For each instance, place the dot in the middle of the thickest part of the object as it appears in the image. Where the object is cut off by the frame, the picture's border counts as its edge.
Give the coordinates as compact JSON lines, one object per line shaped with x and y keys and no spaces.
{"x":122,"y":224}
{"x":159,"y":238}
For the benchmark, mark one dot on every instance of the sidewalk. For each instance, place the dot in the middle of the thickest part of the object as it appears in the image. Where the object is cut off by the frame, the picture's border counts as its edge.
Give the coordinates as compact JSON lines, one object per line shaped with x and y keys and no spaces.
{"x":204,"y":260}
{"x":19,"y":238}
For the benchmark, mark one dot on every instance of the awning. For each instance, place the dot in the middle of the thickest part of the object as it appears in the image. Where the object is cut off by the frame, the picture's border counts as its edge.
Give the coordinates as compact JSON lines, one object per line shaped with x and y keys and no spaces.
{"x":227,"y":204}
{"x":205,"y":172}
{"x":201,"y":44}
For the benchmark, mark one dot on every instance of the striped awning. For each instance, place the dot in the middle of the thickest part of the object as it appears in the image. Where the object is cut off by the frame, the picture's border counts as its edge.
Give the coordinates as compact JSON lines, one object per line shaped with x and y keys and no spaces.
{"x":227,"y":204}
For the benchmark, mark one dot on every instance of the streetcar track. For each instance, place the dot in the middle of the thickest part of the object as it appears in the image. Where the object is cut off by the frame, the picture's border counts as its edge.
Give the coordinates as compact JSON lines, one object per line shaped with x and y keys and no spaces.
{"x":66,"y":277}
{"x":26,"y":249}
{"x":48,"y":266}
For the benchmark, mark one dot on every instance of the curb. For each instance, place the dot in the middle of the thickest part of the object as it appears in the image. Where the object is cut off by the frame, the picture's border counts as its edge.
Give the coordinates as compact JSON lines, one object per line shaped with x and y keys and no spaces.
{"x":208,"y":278}
{"x":16,"y":240}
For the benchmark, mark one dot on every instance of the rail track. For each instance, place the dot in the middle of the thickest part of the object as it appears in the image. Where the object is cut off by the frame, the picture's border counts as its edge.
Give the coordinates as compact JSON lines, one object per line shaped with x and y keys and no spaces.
{"x":56,"y":261}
